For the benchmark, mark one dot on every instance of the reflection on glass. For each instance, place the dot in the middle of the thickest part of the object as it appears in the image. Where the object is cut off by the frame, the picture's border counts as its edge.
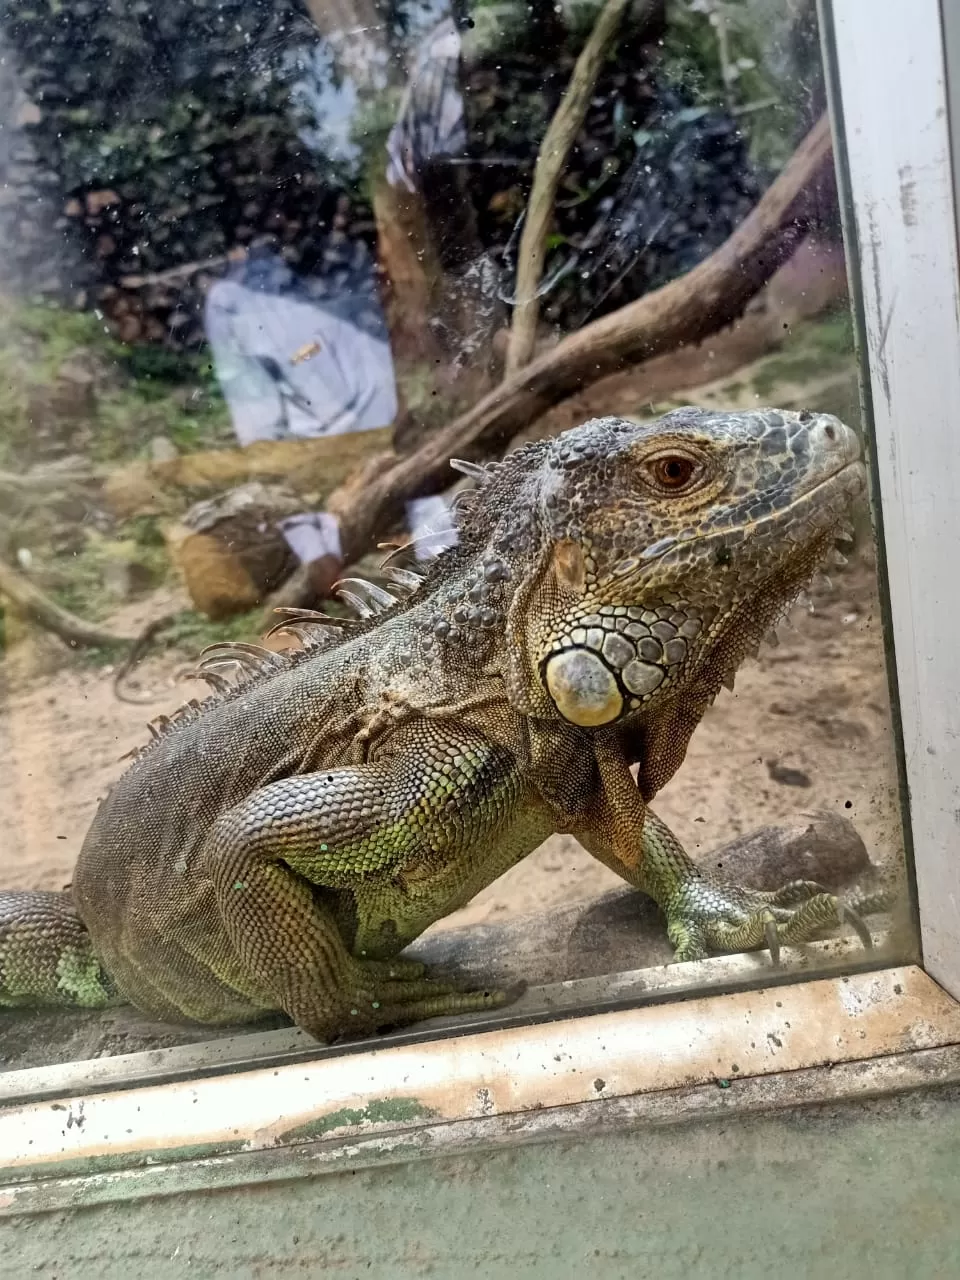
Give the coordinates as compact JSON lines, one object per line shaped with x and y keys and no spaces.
{"x":301,"y":357}
{"x":267,"y":268}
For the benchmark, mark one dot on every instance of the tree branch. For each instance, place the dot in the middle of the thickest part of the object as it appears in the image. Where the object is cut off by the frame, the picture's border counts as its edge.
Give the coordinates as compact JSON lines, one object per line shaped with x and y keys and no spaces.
{"x":38,"y":606}
{"x":682,"y":312}
{"x":551,"y":161}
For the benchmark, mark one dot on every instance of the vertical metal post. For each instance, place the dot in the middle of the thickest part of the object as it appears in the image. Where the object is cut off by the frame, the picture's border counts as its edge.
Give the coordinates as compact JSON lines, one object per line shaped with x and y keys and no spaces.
{"x":892,"y":118}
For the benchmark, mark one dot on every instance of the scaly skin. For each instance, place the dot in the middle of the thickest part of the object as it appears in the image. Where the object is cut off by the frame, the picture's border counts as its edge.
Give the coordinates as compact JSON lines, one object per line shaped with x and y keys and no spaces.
{"x":279,"y":846}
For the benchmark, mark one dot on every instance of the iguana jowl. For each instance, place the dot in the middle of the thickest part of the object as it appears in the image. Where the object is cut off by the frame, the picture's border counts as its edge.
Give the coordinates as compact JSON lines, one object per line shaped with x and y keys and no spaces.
{"x":278,"y":846}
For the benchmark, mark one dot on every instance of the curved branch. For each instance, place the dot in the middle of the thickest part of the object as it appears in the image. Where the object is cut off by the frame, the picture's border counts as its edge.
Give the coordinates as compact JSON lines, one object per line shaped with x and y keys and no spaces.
{"x":74,"y":631}
{"x":38,"y":606}
{"x":684,"y":311}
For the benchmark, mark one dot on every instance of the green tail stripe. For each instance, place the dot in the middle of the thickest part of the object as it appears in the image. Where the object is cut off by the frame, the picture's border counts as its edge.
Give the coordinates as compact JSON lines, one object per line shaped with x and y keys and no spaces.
{"x":46,"y":957}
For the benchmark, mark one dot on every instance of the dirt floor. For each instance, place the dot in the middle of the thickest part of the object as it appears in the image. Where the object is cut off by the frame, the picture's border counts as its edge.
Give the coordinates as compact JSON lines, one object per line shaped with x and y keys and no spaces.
{"x":807,"y":727}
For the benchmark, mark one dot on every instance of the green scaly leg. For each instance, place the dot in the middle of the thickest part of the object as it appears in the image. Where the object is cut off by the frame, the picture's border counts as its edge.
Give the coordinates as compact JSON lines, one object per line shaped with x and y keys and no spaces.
{"x":346,"y":830}
{"x":706,"y":914}
{"x":46,"y":957}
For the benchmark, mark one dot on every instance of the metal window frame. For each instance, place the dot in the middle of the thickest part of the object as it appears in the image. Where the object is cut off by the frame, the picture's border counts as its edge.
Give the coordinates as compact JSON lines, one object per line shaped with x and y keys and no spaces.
{"x":895,"y":119}
{"x":824,"y":1040}
{"x":237,"y":1111}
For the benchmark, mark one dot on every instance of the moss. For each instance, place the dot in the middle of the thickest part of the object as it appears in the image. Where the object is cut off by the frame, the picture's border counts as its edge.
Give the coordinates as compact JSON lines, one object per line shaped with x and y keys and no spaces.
{"x":122,"y":1161}
{"x":379,"y":1111}
{"x":815,"y":350}
{"x":782,"y":369}
{"x":833,"y":333}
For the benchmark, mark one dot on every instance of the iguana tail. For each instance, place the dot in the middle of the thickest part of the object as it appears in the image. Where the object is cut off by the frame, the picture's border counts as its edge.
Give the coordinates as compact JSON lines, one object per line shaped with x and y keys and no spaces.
{"x":46,"y":956}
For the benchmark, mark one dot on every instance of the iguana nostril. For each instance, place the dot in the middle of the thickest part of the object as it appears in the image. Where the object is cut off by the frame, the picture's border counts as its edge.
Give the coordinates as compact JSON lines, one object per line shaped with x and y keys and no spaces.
{"x":830,"y":432}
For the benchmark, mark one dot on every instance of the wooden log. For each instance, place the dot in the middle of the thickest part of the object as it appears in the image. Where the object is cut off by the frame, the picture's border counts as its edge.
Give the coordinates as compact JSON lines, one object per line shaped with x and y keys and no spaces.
{"x":311,"y":468}
{"x":230,"y":549}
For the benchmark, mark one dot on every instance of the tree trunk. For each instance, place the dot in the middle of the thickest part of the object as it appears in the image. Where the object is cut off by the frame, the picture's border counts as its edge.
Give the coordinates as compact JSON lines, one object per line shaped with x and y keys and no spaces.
{"x":414,"y":276}
{"x":356,"y":31}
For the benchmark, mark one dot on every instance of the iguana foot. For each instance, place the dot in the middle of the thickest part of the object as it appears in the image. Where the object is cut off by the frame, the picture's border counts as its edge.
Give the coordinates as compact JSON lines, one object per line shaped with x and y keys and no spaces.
{"x":395,"y":993}
{"x":705,"y":915}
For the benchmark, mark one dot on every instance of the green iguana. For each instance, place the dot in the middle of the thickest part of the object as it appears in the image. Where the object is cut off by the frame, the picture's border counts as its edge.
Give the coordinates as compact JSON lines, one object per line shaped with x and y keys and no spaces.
{"x":277,"y":846}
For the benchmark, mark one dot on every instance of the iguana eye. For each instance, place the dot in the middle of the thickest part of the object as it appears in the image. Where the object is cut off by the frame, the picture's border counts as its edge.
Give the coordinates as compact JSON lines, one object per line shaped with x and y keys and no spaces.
{"x":672,"y":471}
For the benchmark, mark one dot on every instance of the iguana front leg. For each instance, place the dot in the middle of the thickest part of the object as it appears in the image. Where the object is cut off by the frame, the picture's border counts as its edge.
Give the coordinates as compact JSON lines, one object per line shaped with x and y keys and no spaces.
{"x":703,"y":912}
{"x":344,"y":829}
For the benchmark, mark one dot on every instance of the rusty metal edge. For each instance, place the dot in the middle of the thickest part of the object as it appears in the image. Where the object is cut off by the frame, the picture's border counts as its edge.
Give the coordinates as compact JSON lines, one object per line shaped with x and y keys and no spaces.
{"x":906,"y":1001}
{"x":859,"y":1081}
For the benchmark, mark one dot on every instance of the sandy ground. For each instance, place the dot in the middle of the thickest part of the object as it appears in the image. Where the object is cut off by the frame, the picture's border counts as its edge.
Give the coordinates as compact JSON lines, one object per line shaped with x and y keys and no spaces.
{"x":816,"y":706}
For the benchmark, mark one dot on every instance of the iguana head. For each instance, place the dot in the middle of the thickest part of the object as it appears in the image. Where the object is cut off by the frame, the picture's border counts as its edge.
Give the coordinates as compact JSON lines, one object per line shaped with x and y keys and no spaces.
{"x":666,"y":552}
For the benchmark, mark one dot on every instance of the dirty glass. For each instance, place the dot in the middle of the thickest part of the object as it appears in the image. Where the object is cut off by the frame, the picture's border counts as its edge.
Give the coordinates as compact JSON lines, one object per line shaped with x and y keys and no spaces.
{"x":268,"y":266}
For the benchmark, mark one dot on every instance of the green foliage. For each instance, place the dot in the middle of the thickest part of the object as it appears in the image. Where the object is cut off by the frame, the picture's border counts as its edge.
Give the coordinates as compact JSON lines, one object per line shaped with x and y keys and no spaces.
{"x":134,"y":393}
{"x":815,"y":350}
{"x":187,"y":633}
{"x":689,"y":53}
{"x":772,"y":65}
{"x":133,"y":80}
{"x":833,"y":333}
{"x":192,"y":631}
{"x":172,"y":128}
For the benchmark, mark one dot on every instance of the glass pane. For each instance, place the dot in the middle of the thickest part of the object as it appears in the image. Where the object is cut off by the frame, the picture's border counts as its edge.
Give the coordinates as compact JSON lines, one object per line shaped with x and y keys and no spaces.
{"x":268,"y":267}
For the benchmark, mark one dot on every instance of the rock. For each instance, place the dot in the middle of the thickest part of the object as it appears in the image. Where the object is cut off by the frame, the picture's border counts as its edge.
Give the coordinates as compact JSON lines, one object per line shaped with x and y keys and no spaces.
{"x":820,"y":846}
{"x":162,"y":449}
{"x":29,"y":113}
{"x":786,"y":776}
{"x":97,"y":201}
{"x":124,"y":572}
{"x":79,"y":370}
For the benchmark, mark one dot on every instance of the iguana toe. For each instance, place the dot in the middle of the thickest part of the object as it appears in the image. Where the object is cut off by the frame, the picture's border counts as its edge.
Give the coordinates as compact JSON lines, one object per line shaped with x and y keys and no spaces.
{"x":706,"y":916}
{"x":394,"y":993}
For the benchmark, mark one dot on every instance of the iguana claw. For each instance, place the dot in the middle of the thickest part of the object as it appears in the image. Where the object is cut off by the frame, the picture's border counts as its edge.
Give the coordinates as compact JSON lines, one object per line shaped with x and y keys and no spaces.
{"x":857,"y":923}
{"x":706,"y":916}
{"x":773,"y":940}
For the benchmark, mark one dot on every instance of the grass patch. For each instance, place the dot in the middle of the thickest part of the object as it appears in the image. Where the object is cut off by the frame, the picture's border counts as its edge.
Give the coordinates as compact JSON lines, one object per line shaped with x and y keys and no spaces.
{"x":116,"y":400}
{"x":193,"y":631}
{"x":815,"y":350}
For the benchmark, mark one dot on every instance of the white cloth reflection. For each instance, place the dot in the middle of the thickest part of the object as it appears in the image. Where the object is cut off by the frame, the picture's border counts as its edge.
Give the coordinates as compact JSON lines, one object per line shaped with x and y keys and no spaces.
{"x":293,"y":366}
{"x":430,"y":122}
